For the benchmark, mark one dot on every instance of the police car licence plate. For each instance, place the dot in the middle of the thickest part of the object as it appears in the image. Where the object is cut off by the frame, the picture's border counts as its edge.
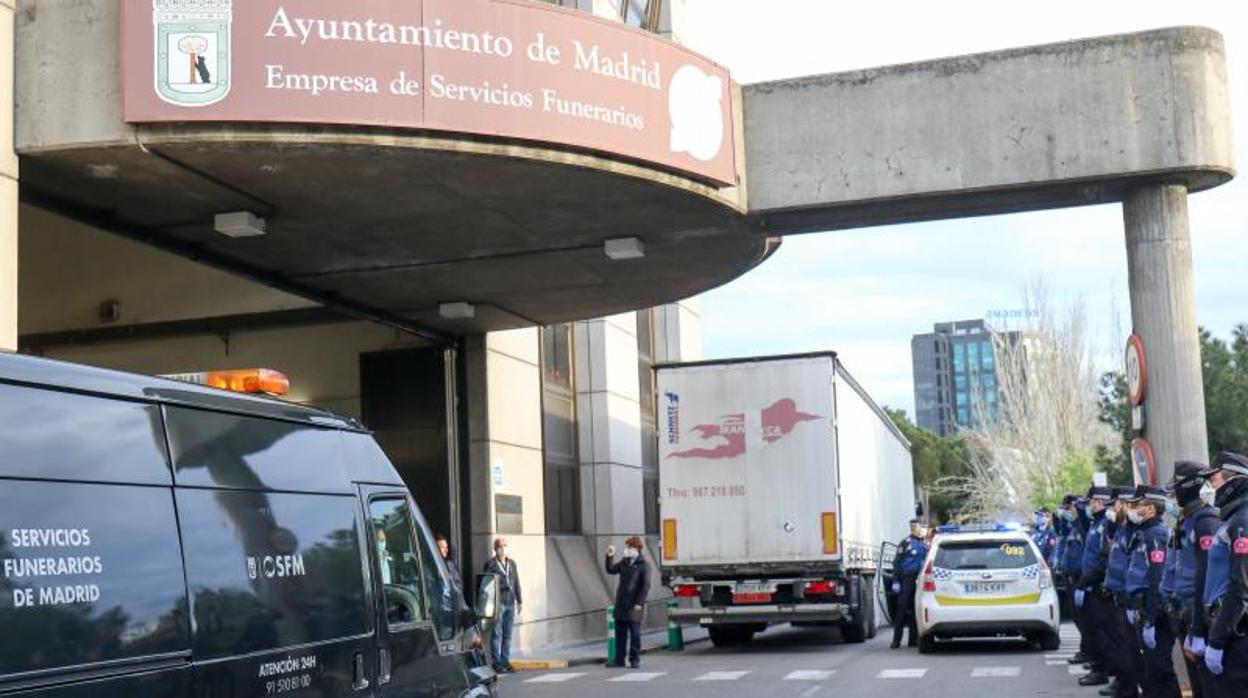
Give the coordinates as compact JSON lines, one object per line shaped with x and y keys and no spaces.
{"x":983,"y":587}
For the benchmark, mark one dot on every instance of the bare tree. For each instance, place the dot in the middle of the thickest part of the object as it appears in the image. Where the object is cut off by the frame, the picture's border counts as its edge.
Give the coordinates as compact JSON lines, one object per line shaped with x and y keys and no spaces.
{"x":1045,"y":410}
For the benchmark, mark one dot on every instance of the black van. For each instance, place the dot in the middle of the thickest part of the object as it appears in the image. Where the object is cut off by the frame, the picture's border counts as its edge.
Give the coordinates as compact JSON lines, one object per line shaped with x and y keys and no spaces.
{"x":164,"y":539}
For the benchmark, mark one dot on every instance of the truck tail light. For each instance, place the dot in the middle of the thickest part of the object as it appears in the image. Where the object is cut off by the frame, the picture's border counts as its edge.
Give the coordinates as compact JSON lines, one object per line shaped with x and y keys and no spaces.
{"x":820,"y":588}
{"x":669,"y":539}
{"x":929,"y":582}
{"x":831,"y":546}
{"x":686,"y":590}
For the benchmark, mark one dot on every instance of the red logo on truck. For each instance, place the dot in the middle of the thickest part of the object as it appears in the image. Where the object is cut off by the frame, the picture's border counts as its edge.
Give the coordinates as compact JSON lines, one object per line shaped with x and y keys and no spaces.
{"x":726,"y":438}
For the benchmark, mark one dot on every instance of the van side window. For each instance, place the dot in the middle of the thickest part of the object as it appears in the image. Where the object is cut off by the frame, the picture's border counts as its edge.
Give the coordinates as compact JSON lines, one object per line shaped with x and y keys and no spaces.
{"x":96,"y":439}
{"x":398,"y":562}
{"x":269,"y":570}
{"x":211,"y":449}
{"x":88,"y":573}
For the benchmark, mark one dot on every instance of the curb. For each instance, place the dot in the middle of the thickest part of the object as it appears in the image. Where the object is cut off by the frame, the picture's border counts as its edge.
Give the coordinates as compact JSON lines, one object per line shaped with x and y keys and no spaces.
{"x":550,"y":664}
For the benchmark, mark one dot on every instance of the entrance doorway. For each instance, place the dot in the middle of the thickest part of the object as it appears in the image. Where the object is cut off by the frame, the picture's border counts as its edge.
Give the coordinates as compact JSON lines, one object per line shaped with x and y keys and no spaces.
{"x":404,"y":400}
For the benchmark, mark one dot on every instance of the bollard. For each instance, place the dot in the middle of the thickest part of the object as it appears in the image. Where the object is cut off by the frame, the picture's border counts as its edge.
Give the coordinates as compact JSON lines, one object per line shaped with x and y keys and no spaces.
{"x":611,"y":651}
{"x":675,"y":633}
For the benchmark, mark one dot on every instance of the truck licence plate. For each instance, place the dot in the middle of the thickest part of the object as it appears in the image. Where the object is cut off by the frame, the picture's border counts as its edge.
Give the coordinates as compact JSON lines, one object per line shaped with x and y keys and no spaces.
{"x":984,"y":587}
{"x":751,"y":593}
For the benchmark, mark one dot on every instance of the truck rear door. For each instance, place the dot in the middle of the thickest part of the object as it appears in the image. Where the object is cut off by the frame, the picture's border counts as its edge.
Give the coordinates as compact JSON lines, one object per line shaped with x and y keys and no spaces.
{"x":748,"y":462}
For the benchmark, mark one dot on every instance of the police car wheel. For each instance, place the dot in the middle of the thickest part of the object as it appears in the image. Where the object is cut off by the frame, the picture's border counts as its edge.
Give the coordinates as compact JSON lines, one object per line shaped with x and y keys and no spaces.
{"x":927,"y":644}
{"x":1049,"y":641}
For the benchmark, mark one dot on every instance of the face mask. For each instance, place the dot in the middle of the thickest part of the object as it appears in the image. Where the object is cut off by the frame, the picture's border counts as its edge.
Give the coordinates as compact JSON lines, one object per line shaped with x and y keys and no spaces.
{"x":1067,"y":515}
{"x":1111,"y":515}
{"x":629,"y":553}
{"x":1039,"y":521}
{"x":1172,"y":508}
{"x":1134,"y":516}
{"x":501,"y":552}
{"x":1208,"y":494}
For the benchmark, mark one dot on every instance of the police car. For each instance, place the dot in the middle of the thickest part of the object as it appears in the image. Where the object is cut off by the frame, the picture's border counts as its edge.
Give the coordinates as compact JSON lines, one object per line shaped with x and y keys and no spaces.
{"x":986,"y":581}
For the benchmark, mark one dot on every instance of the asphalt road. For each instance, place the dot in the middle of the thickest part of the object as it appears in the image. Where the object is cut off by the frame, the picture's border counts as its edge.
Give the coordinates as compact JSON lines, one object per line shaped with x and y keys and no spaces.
{"x":806,"y":662}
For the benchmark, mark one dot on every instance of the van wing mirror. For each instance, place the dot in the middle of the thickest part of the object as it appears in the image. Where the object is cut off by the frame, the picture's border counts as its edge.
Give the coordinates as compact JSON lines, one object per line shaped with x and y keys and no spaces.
{"x":487,"y":596}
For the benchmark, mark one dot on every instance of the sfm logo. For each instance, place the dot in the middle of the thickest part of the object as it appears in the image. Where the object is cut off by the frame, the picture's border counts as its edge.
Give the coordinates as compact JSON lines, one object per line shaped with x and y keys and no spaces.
{"x":673,"y":417}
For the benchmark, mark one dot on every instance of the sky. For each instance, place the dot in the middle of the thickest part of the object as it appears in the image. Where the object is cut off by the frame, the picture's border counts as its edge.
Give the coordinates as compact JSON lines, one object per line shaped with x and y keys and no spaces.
{"x":871,"y":289}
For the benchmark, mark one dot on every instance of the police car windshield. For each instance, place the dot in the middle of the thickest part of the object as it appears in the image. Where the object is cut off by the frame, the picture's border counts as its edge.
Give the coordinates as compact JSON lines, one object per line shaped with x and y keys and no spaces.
{"x":984,"y":555}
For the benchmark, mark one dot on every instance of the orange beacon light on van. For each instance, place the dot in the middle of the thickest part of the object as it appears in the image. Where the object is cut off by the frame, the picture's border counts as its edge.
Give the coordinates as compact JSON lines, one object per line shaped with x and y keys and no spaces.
{"x":253,"y":381}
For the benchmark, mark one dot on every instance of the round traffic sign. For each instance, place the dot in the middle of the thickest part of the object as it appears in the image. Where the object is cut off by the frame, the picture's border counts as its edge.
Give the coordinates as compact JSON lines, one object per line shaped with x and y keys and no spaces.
{"x":1136,"y":369}
{"x":1142,"y":461}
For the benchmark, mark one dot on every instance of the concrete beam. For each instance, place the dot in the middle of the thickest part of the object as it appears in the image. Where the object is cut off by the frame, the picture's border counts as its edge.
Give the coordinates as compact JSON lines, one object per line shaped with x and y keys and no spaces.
{"x":1064,"y":124}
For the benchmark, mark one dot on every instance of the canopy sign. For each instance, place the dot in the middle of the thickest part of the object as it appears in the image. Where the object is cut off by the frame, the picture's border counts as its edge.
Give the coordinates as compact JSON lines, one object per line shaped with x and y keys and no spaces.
{"x":506,"y":68}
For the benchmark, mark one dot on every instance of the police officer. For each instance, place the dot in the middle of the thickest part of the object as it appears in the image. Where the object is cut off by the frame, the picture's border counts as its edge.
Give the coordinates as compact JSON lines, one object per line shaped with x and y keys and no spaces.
{"x":1147,"y":565}
{"x":911,"y":553}
{"x":1121,"y":646}
{"x":1197,"y":524}
{"x":1070,"y":567}
{"x":1042,"y":535}
{"x":1226,"y":582}
{"x":1092,"y":608}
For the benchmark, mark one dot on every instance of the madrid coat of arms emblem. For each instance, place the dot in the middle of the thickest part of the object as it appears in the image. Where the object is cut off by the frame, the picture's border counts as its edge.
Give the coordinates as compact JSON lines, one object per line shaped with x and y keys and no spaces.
{"x":192,"y":50}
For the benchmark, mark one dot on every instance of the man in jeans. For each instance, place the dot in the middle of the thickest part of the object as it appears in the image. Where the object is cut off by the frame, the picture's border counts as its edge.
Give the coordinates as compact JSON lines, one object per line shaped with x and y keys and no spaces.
{"x":509,"y":596}
{"x":630,"y":600}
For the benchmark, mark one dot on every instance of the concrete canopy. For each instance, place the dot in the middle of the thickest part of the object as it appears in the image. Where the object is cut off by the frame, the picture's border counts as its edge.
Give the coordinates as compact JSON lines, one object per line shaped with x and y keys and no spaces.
{"x":382,"y":223}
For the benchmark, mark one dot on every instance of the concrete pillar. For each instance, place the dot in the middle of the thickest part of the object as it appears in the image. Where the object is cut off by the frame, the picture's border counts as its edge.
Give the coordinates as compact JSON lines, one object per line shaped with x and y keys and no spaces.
{"x":1163,"y":313}
{"x":8,"y":186}
{"x":608,"y":415}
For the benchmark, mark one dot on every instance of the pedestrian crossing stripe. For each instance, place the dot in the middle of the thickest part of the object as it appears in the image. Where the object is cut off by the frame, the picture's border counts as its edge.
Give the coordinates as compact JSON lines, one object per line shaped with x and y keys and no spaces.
{"x":721,"y":676}
{"x":635,"y":676}
{"x":1076,"y":670}
{"x":1057,"y":662}
{"x":553,"y":678}
{"x":809,"y":675}
{"x":995,"y":672}
{"x":902,"y":674}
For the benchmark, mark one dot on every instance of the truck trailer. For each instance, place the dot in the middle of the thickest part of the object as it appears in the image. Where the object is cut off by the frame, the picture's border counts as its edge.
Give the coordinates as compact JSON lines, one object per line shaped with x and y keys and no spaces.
{"x":781,"y":486}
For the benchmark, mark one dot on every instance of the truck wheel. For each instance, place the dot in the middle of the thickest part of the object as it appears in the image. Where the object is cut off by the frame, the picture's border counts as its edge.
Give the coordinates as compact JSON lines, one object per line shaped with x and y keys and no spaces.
{"x":868,"y":601}
{"x":927,"y":644}
{"x":858,"y":629}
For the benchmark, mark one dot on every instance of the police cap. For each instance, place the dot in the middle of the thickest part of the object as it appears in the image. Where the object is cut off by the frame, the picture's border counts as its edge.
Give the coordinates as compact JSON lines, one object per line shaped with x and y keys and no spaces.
{"x":1148,"y":493}
{"x":1235,"y":463}
{"x":1068,"y":500}
{"x":1124,"y":493}
{"x":1102,"y":493}
{"x":1185,"y":472}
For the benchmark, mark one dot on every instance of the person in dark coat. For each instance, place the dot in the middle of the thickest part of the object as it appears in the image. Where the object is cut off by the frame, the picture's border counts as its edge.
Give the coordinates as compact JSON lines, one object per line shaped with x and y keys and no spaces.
{"x":473,"y":632}
{"x":502,"y":566}
{"x":630,"y":599}
{"x":907,"y":565}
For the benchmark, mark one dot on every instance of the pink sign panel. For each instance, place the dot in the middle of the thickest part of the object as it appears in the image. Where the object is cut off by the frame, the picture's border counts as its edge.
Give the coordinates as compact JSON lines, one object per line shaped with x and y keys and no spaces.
{"x":508,"y":68}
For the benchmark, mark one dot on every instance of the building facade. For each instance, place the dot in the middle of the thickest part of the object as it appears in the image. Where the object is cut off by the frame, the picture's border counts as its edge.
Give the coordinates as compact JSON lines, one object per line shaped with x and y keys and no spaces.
{"x":956,"y":382}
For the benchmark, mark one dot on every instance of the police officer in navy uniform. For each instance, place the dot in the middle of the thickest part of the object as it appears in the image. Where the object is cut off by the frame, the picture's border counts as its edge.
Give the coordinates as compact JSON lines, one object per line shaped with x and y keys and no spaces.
{"x":1070,"y":564}
{"x":1197,"y":524}
{"x":1149,"y":548}
{"x":1226,"y":582}
{"x":1043,"y":535}
{"x":1122,"y":649}
{"x":1091,"y":607}
{"x":907,"y":566}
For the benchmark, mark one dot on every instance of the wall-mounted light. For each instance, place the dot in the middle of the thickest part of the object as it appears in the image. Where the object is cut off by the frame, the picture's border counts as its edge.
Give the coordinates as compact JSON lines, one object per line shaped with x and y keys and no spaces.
{"x":238,"y":224}
{"x":618,"y":249}
{"x":457,"y":311}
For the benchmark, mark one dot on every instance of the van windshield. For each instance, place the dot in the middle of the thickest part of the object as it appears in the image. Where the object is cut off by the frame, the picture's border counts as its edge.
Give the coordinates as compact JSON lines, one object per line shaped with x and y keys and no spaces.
{"x":984,"y":555}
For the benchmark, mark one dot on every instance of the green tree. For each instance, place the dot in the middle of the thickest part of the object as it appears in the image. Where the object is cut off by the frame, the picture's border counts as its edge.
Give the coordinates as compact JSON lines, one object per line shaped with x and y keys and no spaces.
{"x":1225,"y":370}
{"x":1074,"y":475}
{"x":1115,"y":411}
{"x":934,"y":458}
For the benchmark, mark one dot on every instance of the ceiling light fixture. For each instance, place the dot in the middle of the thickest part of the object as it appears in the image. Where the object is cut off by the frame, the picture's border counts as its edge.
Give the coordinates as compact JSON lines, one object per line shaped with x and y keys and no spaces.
{"x":239,"y":224}
{"x":619,"y":249}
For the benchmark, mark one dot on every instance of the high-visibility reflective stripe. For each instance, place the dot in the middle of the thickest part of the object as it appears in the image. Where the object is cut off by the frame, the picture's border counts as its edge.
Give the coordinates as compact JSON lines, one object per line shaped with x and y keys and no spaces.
{"x":831,"y":545}
{"x":669,"y":539}
{"x":987,"y":601}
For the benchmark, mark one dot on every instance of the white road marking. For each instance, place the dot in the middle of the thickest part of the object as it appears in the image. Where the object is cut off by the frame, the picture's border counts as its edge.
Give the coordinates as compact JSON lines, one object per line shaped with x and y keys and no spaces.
{"x":1057,"y":662}
{"x":639,"y":676}
{"x":995,"y":672}
{"x":902,"y":674}
{"x":1076,"y":670}
{"x":1059,"y":655}
{"x":553,"y":678}
{"x":721,"y":676}
{"x":809,"y":675}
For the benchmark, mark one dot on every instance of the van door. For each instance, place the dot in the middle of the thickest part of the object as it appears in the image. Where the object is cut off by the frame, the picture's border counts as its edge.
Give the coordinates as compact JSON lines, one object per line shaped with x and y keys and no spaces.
{"x":418,"y":639}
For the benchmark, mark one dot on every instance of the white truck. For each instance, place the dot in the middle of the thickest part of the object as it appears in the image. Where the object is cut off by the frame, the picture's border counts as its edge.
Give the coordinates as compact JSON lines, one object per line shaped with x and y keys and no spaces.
{"x":781,"y":484}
